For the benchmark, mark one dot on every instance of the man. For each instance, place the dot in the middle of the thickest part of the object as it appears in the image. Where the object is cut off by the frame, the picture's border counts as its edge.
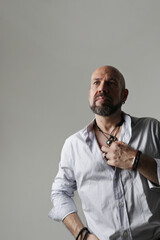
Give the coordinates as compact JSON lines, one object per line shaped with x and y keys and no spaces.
{"x":114,"y":163}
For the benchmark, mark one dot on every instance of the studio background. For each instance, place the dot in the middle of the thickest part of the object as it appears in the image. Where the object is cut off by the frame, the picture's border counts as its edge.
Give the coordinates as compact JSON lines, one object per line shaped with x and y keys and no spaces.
{"x":48,"y":50}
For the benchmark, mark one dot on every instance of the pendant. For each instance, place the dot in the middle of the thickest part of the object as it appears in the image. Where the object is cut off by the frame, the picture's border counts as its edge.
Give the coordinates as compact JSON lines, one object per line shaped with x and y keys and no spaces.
{"x":110,"y":140}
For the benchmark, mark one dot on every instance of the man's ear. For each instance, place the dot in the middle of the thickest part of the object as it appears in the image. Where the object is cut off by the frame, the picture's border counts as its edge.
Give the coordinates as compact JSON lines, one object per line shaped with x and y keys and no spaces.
{"x":125,"y":95}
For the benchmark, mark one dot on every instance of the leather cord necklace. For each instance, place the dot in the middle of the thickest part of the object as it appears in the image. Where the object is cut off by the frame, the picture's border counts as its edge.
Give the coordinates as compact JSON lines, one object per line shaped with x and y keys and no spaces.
{"x":110,"y":137}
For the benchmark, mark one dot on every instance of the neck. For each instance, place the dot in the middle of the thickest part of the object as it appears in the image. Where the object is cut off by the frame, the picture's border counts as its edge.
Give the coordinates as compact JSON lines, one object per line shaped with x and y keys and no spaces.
{"x":109,"y":122}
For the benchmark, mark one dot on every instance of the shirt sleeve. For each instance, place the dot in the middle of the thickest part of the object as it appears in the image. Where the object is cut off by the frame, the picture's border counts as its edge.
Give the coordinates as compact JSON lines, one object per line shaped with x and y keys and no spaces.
{"x":63,"y":186}
{"x":152,"y":185}
{"x":156,"y":132}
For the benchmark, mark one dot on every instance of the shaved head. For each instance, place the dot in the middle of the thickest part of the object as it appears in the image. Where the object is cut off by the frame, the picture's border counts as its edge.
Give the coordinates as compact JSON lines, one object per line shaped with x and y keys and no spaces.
{"x":110,"y":69}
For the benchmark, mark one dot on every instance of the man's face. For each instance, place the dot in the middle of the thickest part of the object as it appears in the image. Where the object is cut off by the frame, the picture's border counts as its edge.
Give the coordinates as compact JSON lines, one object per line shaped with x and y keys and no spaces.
{"x":106,"y":93}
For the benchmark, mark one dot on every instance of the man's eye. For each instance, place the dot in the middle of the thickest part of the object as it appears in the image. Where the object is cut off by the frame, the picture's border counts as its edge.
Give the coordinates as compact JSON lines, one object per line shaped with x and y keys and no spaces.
{"x":96,"y":82}
{"x":112,"y":83}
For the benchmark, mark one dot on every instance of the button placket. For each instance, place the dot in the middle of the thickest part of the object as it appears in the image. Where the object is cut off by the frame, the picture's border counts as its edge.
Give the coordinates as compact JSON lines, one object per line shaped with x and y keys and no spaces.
{"x":121,"y":204}
{"x":125,"y":234}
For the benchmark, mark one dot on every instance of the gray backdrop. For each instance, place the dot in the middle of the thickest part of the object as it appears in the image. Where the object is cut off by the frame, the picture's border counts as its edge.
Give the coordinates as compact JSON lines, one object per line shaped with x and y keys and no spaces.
{"x":48,"y":49}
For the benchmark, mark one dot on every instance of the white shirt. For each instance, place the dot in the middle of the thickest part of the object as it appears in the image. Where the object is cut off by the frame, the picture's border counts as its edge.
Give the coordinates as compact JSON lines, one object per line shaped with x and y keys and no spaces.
{"x":118,"y":204}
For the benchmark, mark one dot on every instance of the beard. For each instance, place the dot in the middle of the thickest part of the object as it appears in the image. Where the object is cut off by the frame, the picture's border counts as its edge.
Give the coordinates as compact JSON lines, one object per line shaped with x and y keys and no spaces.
{"x":106,"y":109}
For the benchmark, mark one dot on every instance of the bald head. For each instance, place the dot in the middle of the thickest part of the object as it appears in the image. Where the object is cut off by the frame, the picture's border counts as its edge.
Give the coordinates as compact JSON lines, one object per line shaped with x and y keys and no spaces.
{"x":112,"y":71}
{"x":107,"y":92}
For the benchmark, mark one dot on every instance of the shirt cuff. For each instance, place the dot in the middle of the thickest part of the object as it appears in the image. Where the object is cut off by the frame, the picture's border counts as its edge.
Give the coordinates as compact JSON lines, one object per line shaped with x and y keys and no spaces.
{"x":59,"y":212}
{"x":153,"y":186}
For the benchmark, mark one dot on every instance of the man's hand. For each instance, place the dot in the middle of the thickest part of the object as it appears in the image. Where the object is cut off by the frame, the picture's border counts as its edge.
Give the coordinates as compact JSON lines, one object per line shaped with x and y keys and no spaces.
{"x":119,"y":154}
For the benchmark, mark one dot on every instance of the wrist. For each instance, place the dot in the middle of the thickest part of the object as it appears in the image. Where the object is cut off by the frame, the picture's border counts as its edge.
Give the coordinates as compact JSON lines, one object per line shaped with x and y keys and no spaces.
{"x":136,"y":160}
{"x":83,"y":233}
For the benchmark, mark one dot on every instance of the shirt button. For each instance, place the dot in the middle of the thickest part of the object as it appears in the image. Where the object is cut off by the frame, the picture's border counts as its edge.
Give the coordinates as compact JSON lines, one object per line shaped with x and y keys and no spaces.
{"x":125,"y":234}
{"x":121,"y":204}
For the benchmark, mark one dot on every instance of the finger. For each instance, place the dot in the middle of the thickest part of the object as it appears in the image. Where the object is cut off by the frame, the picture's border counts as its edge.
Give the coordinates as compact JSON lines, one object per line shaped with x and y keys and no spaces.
{"x":111,"y":163}
{"x":105,"y":148}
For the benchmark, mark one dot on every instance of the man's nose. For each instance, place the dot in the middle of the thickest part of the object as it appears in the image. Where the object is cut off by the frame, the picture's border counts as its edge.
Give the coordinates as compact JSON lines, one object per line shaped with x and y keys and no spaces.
{"x":102,"y":87}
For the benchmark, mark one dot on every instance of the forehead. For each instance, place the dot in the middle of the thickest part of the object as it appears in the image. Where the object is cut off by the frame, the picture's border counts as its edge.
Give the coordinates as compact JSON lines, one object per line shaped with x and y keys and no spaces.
{"x":107,"y":72}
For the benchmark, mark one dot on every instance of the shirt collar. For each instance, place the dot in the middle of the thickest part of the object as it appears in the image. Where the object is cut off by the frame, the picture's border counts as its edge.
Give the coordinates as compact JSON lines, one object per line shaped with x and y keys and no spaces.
{"x":126,"y":132}
{"x":87,"y":129}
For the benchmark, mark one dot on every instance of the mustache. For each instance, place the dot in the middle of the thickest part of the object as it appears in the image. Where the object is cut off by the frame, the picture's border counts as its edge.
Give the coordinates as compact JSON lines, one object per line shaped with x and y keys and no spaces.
{"x":102,"y":95}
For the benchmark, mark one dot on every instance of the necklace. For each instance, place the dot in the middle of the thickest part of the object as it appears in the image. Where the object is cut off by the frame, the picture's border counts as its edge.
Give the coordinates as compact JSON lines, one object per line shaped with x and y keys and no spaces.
{"x":111,"y":138}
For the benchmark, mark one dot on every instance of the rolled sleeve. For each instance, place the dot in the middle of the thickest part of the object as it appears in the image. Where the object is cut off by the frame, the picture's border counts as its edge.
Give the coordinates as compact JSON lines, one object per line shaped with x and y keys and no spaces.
{"x":156,"y":153}
{"x":59,"y":212}
{"x":152,"y":185}
{"x":63,"y":187}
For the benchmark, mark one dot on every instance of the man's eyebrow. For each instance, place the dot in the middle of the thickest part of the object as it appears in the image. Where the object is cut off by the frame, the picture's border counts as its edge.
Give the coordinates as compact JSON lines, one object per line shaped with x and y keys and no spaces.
{"x":97,"y":78}
{"x":112,"y":78}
